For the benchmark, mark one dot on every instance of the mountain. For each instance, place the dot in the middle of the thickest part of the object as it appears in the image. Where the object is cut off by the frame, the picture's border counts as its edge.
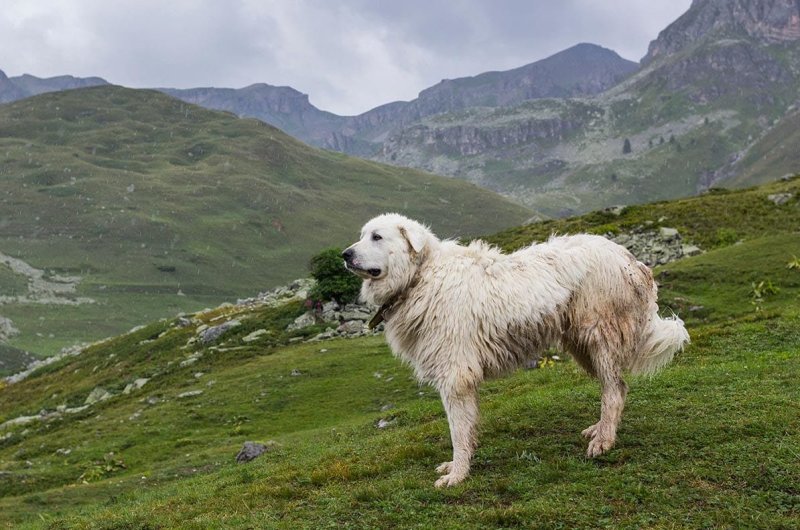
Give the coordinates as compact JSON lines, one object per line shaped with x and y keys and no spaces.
{"x":33,"y":85}
{"x":8,"y":90}
{"x":120,"y":205}
{"x":283,"y":107}
{"x":15,"y":88}
{"x":712,"y":85}
{"x":584,"y":129}
{"x":583,"y":70}
{"x":142,"y":430}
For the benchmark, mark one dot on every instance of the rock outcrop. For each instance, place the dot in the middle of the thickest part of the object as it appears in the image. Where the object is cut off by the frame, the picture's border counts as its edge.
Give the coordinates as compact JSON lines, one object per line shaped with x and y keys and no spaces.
{"x":768,"y":21}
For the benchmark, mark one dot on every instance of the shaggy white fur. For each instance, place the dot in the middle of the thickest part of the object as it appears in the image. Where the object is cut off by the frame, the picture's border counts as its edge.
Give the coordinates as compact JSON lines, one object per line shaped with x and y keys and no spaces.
{"x":461,"y":314}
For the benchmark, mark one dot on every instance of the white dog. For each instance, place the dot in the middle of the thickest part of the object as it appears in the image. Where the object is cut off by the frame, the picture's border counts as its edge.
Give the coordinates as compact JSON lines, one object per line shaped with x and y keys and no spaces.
{"x":462,"y":314}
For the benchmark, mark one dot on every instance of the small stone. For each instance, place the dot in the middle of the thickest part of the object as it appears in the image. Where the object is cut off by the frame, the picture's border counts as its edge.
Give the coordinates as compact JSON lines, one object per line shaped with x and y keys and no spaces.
{"x":303,"y":321}
{"x":690,"y":250}
{"x":668,"y":233}
{"x":190,"y":393}
{"x":296,"y":373}
{"x":191,"y":360}
{"x":615,"y":210}
{"x":352,"y":327}
{"x":325,"y":335}
{"x":382,"y":423}
{"x":254,"y":336}
{"x":779,"y":199}
{"x":388,"y":406}
{"x":362,"y":315}
{"x":97,"y":395}
{"x":136,"y":385}
{"x":252,"y":450}
{"x":213,"y":333}
{"x":696,"y":308}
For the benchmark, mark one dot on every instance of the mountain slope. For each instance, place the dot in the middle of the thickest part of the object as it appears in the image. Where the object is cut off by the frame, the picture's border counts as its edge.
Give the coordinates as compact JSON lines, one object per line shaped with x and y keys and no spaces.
{"x":711,"y":441}
{"x":124,"y":205}
{"x":774,"y":154}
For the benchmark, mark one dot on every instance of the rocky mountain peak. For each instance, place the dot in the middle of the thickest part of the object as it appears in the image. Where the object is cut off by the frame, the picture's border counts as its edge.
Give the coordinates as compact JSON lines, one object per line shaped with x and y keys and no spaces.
{"x":584,"y":69}
{"x":766,"y":21}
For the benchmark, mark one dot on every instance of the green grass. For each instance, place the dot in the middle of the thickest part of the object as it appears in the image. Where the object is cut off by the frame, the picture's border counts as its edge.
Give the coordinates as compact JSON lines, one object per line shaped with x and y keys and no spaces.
{"x":12,"y":284}
{"x":141,"y":193}
{"x":711,"y":442}
{"x":713,"y":220}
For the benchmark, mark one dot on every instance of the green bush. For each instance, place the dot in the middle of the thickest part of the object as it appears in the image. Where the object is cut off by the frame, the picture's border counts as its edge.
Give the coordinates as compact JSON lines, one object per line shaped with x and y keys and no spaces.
{"x":334,"y":282}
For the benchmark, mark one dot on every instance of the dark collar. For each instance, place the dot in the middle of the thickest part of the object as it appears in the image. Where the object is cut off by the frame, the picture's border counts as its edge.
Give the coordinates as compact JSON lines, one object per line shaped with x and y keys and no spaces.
{"x":395,"y":300}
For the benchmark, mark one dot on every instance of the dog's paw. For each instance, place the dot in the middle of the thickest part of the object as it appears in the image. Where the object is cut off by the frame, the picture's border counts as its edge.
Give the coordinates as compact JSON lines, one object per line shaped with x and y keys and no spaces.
{"x":451,"y":479}
{"x":598,"y":446}
{"x":589,"y":432}
{"x":444,"y":468}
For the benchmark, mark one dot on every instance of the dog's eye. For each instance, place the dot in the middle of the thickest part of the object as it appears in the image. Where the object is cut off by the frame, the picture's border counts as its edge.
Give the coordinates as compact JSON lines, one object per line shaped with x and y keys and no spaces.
{"x":376,"y":237}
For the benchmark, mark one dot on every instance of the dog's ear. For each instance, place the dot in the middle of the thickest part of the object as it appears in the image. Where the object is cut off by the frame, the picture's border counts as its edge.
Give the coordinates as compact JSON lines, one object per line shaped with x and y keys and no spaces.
{"x":415,"y":238}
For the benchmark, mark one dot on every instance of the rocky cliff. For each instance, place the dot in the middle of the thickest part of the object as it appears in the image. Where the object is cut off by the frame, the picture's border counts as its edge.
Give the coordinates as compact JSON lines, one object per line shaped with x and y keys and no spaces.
{"x":767,"y":21}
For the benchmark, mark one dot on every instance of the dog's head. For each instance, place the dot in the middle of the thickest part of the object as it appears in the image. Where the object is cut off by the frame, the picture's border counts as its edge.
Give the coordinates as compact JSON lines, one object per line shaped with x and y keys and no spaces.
{"x":387,"y":255}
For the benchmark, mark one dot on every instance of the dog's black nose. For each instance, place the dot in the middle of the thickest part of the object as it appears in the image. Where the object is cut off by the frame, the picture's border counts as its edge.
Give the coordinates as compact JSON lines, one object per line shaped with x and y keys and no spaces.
{"x":348,"y":254}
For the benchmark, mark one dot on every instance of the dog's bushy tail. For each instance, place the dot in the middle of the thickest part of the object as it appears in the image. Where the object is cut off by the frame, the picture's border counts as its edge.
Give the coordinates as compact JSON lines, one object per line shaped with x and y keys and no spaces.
{"x":664,"y":338}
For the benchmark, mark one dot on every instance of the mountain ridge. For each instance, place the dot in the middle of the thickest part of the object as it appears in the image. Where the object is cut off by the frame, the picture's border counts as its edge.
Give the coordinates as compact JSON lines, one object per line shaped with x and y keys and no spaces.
{"x":26,"y":85}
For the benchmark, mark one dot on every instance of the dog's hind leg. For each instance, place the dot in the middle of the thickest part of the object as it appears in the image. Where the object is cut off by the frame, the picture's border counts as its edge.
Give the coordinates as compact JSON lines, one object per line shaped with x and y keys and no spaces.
{"x":603,"y":434}
{"x":461,"y":407}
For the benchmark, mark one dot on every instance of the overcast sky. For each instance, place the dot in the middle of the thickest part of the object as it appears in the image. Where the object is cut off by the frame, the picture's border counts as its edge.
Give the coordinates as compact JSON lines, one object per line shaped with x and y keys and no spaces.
{"x":348,"y":55}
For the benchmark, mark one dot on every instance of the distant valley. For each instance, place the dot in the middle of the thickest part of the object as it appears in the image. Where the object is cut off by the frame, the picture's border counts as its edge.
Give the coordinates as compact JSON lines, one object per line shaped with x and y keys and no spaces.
{"x":118,"y":206}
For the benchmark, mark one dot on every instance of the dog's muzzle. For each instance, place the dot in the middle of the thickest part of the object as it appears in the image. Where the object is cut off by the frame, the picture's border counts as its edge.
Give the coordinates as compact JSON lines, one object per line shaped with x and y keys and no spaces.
{"x":349,"y":264}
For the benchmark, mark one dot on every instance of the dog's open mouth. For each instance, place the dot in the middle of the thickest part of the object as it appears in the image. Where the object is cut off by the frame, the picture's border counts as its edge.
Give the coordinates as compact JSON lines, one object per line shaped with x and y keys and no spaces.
{"x":364,"y":273}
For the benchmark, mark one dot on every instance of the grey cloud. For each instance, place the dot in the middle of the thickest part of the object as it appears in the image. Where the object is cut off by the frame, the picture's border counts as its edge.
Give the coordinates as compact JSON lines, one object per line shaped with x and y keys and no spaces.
{"x":348,"y":56}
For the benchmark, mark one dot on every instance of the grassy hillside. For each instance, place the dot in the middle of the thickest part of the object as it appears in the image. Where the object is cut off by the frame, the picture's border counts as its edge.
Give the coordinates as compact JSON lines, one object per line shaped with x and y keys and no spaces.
{"x":153,"y":206}
{"x":710,"y":442}
{"x":718,"y":218}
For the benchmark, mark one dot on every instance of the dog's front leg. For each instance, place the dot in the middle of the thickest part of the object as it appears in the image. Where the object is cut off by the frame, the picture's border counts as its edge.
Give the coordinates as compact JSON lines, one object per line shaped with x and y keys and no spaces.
{"x":461,"y":407}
